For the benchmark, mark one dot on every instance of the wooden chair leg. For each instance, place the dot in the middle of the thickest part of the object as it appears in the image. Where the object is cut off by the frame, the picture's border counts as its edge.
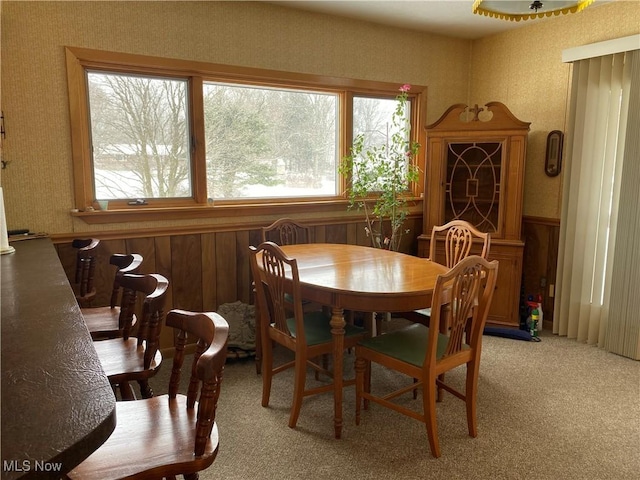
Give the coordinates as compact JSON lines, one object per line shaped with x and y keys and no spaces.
{"x":145,"y":389}
{"x":378,"y":317}
{"x":360,"y":379}
{"x":324,"y":362}
{"x":440,"y":392}
{"x":369,"y":323}
{"x":471,"y":394}
{"x":258,"y":358}
{"x":367,"y":383}
{"x":126,"y":392}
{"x":429,"y":408}
{"x":300,"y":374}
{"x":267,"y":371}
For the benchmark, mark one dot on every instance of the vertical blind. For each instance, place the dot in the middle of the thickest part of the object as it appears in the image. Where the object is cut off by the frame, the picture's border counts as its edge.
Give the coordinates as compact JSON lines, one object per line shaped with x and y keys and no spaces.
{"x":598,"y":128}
{"x":623,"y":319}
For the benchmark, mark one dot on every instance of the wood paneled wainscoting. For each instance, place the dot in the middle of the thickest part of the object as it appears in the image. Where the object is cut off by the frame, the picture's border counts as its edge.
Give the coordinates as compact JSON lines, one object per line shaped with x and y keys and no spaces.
{"x":541,"y":237}
{"x":205,"y":268}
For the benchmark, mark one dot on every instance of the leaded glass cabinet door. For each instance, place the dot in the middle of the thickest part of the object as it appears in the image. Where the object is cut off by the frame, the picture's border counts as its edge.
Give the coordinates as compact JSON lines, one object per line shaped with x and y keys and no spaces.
{"x":475,"y":172}
{"x":472,"y":184}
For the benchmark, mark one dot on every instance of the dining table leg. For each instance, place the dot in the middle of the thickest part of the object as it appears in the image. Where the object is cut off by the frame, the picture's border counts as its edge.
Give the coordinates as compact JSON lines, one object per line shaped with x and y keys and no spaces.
{"x":337,"y":332}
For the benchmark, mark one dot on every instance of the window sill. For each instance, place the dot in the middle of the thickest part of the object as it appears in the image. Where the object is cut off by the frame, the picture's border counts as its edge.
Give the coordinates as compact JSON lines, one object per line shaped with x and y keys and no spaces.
{"x":146,"y":214}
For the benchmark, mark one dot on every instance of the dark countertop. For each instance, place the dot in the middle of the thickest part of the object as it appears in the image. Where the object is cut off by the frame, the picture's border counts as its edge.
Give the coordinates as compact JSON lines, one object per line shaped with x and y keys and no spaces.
{"x":57,"y":404}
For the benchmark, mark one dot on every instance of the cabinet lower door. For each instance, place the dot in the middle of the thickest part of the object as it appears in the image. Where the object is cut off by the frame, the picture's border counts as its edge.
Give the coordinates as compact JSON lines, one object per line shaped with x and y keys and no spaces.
{"x":505,"y":306}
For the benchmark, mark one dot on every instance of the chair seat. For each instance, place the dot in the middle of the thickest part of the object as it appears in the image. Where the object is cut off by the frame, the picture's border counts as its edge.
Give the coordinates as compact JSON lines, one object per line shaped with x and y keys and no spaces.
{"x":164,"y":428}
{"x":408,"y":344}
{"x":317,"y":328}
{"x":104,"y":322}
{"x":123,"y":360}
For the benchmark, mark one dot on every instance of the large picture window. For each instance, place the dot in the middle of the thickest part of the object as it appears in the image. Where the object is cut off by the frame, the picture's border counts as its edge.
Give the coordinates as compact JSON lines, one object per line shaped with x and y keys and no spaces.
{"x":168,"y":134}
{"x":266,"y":143}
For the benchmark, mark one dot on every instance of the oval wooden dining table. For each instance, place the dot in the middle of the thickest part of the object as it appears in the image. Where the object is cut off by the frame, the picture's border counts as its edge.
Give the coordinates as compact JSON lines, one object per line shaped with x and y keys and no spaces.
{"x":362,"y":279}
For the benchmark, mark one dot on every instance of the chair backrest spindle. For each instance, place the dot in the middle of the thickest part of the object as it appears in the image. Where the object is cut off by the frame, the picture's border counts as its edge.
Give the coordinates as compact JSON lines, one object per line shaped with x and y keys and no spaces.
{"x":154,"y":287}
{"x":124,"y":264}
{"x":86,"y":259}
{"x":458,"y":236}
{"x":470,"y":284}
{"x":207,"y":369}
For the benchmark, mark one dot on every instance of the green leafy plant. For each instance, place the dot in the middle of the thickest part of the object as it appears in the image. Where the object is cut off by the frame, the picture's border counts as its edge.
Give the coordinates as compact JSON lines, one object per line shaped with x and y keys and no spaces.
{"x":381,"y":174}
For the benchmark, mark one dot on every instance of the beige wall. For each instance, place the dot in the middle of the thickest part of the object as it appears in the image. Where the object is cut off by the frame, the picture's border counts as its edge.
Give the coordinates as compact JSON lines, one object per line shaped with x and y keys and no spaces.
{"x":523,"y":69}
{"x":38,"y":182}
{"x":520,"y":68}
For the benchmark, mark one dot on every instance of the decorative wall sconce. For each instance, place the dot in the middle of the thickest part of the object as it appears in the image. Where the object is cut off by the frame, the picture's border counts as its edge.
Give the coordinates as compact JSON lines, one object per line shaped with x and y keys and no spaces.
{"x":553,"y":157}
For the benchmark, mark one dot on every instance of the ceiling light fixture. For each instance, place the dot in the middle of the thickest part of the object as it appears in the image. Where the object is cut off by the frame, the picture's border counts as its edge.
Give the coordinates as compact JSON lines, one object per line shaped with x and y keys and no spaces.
{"x":526,"y":10}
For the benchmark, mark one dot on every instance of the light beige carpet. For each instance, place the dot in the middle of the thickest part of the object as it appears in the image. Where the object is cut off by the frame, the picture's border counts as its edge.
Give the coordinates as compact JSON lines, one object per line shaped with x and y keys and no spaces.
{"x":555,"y":409}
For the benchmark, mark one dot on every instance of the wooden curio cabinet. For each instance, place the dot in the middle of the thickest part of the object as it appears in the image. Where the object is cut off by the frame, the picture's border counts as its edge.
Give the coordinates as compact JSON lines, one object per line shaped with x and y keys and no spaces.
{"x":475,"y":172}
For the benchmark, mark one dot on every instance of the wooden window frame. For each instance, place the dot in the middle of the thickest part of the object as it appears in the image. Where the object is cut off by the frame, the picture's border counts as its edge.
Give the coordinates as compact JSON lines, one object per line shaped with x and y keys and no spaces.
{"x":79,"y":60}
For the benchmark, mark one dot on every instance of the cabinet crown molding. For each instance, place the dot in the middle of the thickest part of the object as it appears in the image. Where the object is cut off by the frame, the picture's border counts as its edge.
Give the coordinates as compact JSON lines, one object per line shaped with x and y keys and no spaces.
{"x":491,"y":116}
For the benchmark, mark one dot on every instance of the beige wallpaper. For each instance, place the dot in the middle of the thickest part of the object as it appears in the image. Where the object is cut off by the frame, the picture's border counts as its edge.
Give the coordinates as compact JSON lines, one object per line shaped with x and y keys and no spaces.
{"x":523,"y":69}
{"x":520,"y":68}
{"x":39,"y":180}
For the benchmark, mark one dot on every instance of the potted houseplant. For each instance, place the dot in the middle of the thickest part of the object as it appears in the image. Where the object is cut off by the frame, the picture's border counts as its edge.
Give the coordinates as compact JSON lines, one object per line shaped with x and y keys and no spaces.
{"x":381,"y":173}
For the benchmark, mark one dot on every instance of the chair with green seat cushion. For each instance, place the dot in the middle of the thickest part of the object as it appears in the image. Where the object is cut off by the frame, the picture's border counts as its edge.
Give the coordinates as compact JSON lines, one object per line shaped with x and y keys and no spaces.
{"x":286,"y":231}
{"x":449,"y":244}
{"x":460,"y":305}
{"x":307,"y":334}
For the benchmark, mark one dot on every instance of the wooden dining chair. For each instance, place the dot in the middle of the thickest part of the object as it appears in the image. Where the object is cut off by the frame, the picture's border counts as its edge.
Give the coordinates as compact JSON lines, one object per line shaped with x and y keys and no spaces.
{"x":171,"y":434}
{"x":461,"y":300}
{"x":457,"y":239}
{"x":86,"y":258}
{"x":286,"y":231}
{"x":130,"y":359}
{"x":108,"y":322}
{"x":308,"y":335}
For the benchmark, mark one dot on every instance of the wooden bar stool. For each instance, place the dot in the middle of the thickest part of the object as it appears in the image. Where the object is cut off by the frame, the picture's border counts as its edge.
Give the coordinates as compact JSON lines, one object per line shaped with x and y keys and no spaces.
{"x":108,"y":322}
{"x":86,"y":258}
{"x":173,"y":434}
{"x":129,"y":359}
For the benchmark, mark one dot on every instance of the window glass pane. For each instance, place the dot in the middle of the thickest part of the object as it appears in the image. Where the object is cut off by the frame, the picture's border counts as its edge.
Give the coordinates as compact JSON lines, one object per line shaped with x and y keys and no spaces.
{"x":140,"y":136}
{"x":266,"y":142}
{"x":373,"y":118}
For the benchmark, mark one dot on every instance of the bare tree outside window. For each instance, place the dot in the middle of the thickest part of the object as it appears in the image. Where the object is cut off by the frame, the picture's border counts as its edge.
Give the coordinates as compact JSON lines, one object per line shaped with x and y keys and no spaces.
{"x":140,"y":139}
{"x":266,"y":142}
{"x":373,"y":122}
{"x":180,"y":134}
{"x":260,"y":142}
